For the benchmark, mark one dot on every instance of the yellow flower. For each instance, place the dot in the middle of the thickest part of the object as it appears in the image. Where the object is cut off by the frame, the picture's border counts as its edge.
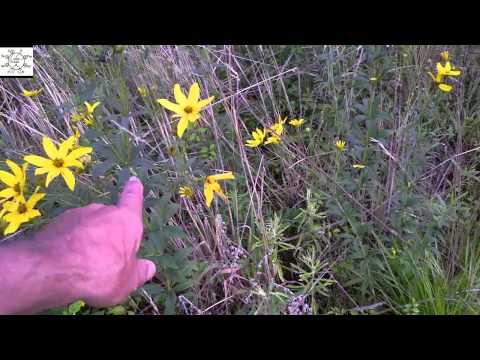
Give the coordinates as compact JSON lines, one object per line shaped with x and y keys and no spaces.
{"x":76,"y":133}
{"x":185,"y":191}
{"x":90,"y":108}
{"x":447,"y":70}
{"x":277,"y":131}
{"x":212,"y":186}
{"x":76,"y":117}
{"x":373,"y":78}
{"x":21,"y":211}
{"x":59,"y":160}
{"x":358,"y":166}
{"x":31,"y":93}
{"x":437,"y":79}
{"x":443,"y":71}
{"x":258,"y":137}
{"x":296,"y":122}
{"x":445,"y":87}
{"x":142,"y":90}
{"x":340,"y":144}
{"x":444,"y":55}
{"x":187,"y":108}
{"x":15,"y":182}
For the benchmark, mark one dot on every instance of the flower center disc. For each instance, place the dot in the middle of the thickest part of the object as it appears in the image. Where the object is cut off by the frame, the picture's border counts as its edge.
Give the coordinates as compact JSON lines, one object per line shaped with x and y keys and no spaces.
{"x":188,"y":109}
{"x":22,"y":208}
{"x":58,"y":163}
{"x":16,"y":188}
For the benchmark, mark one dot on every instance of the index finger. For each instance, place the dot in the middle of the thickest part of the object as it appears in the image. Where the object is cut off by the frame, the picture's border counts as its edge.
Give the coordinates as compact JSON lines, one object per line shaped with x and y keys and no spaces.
{"x":131,"y":197}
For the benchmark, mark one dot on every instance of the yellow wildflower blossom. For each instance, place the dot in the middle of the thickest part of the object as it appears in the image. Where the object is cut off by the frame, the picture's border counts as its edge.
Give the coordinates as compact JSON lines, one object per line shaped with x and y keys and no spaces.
{"x":277,"y":130}
{"x":187,"y":108}
{"x":358,"y":166}
{"x":258,"y":138}
{"x":212,"y":186}
{"x":444,"y":55}
{"x":185,"y":191}
{"x":296,"y":122}
{"x":31,"y":93}
{"x":59,"y":160}
{"x":142,"y":90}
{"x":15,"y":182}
{"x":340,"y":145}
{"x":21,"y":211}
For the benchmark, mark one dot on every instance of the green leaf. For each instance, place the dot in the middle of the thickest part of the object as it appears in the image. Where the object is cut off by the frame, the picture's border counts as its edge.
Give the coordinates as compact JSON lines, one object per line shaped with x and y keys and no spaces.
{"x":102,"y":168}
{"x":170,"y":303}
{"x":117,"y":310}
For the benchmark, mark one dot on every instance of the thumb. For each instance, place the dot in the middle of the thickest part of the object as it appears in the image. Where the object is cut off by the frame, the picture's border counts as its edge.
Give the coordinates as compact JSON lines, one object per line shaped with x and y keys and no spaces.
{"x":145,"y":270}
{"x":131,"y":197}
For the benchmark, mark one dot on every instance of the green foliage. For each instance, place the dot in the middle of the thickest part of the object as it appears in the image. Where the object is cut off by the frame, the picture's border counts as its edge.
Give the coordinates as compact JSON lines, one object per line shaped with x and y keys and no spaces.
{"x":300,"y":225}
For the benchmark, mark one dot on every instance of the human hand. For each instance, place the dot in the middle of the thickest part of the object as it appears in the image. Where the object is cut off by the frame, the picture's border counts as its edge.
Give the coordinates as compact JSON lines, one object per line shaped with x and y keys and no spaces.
{"x":96,"y":247}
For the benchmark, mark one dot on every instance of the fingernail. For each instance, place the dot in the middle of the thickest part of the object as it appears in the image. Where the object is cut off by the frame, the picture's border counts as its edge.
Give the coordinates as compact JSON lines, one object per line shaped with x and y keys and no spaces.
{"x":152,"y":269}
{"x":133,"y":178}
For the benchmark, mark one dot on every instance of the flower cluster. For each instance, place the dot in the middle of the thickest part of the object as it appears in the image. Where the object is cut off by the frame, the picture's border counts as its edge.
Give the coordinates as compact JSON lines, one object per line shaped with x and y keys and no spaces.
{"x":188,"y":109}
{"x":85,"y":116}
{"x":444,"y":72}
{"x":16,"y":209}
{"x":275,"y":131}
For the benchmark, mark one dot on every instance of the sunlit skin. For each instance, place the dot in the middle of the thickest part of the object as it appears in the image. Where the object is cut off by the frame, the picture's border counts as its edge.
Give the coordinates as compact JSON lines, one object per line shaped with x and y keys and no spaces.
{"x":87,"y":253}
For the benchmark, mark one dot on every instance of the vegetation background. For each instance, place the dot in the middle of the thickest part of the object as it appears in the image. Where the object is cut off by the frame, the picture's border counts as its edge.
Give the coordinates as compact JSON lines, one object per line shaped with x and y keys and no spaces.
{"x":302,"y":232}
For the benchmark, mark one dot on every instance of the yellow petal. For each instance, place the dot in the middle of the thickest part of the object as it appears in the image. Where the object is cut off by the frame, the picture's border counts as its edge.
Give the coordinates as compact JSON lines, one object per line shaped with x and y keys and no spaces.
{"x":440,"y":69}
{"x":73,"y":162}
{"x":52,"y":174}
{"x":33,"y":213}
{"x":182,"y":126}
{"x":16,"y":170}
{"x":8,"y":179}
{"x":194,"y":93}
{"x":11,"y":228}
{"x":253,"y":143}
{"x":454,"y":73}
{"x":225,"y":176}
{"x":445,"y":87}
{"x":202,"y":103}
{"x":180,"y":97}
{"x":65,"y":146}
{"x":38,"y":161}
{"x":41,"y":171}
{"x":78,"y":152}
{"x":50,"y":148}
{"x":90,"y":107}
{"x":171,"y":106}
{"x":218,"y":190}
{"x":7,"y":193}
{"x":208,"y":192}
{"x":34,"y":199}
{"x":69,"y":178}
{"x":192,"y":117}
